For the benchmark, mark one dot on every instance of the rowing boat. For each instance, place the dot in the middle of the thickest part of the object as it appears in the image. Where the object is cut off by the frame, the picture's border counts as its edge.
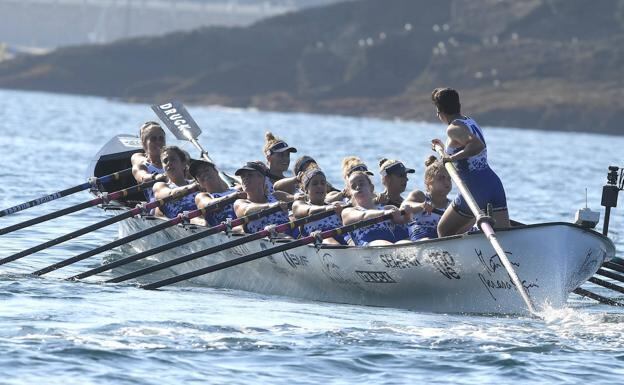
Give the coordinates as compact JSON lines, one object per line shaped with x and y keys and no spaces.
{"x":453,"y":274}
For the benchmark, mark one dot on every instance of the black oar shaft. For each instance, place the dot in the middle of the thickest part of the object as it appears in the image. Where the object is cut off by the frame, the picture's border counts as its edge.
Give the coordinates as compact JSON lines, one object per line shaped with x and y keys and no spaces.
{"x":147,"y":253}
{"x":63,"y":193}
{"x":119,"y":242}
{"x":78,"y":207}
{"x":95,"y":226}
{"x":264,"y":253}
{"x":122,"y":241}
{"x":614,"y":266}
{"x":606,"y":284}
{"x":596,"y":297}
{"x":610,"y":274}
{"x":215,"y":249}
{"x":67,"y":237}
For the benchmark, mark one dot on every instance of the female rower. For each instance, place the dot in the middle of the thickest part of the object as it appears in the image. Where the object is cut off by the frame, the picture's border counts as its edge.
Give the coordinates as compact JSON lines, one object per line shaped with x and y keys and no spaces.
{"x":292,"y":185}
{"x":213,"y":188}
{"x":253,"y":176}
{"x":350,"y":164}
{"x":147,"y":165}
{"x":394,"y":179}
{"x":364,"y":207}
{"x":314,"y":184}
{"x":466,"y":148}
{"x":277,"y":154}
{"x":427,"y":207}
{"x":175,"y":161}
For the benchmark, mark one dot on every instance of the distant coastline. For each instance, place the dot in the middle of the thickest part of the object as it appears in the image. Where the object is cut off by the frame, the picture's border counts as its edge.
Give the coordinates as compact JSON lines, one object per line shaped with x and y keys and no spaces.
{"x":526,"y":65}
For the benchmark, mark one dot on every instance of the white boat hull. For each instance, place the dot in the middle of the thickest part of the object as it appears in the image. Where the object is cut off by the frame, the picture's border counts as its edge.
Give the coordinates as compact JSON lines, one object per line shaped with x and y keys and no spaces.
{"x":460,"y":274}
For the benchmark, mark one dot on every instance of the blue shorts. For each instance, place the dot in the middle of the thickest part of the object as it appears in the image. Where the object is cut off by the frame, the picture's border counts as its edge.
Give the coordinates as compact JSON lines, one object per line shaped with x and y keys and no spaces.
{"x":485,"y":187}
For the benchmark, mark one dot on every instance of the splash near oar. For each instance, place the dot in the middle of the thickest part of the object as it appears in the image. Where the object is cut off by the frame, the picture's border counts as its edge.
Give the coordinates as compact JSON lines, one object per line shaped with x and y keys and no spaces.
{"x":484,"y":223}
{"x":284,"y":227}
{"x":147,"y":253}
{"x":92,"y":183}
{"x":81,"y":206}
{"x":260,"y":254}
{"x":181,"y":218}
{"x":128,"y":214}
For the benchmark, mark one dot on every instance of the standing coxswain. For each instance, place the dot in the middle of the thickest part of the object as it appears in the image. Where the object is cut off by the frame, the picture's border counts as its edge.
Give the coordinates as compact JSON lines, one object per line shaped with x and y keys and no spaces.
{"x":467,"y":149}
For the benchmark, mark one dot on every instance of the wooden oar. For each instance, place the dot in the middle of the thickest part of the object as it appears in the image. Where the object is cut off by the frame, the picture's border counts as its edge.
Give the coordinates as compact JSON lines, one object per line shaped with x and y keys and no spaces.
{"x":210,"y":231}
{"x":183,"y":126}
{"x":81,"y":206}
{"x":597,"y":297}
{"x":224,"y":246}
{"x":182,"y":217}
{"x":484,"y":223}
{"x":608,"y":285}
{"x":610,"y":274}
{"x":92,"y":183}
{"x":263,"y":253}
{"x":128,"y":214}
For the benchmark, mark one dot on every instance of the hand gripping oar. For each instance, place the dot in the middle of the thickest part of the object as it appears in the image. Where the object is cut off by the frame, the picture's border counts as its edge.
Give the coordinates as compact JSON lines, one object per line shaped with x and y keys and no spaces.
{"x":183,"y":126}
{"x":182,"y":217}
{"x":484,"y":223}
{"x":81,"y":206}
{"x":210,"y":231}
{"x":91,"y":183}
{"x":228,"y":245}
{"x":270,"y":251}
{"x":128,"y":214}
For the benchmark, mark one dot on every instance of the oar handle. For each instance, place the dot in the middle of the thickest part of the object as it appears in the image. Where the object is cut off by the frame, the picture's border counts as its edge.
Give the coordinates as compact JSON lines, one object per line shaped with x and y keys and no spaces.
{"x":63,"y":193}
{"x":270,"y":251}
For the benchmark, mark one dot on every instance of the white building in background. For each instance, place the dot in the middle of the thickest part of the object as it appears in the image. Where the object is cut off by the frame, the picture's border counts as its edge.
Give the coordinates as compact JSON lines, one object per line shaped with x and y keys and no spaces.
{"x":54,"y":23}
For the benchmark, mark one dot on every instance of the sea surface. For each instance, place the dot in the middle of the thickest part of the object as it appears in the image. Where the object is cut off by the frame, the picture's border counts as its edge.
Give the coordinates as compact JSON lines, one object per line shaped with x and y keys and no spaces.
{"x":58,"y":332}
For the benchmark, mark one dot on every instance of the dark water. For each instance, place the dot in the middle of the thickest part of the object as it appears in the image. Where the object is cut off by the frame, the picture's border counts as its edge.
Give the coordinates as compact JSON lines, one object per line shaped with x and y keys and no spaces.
{"x":56,"y":332}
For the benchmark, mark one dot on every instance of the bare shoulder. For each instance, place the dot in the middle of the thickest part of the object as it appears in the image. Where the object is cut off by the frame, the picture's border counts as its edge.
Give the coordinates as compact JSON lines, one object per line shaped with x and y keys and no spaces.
{"x":416,"y":196}
{"x":137,"y":158}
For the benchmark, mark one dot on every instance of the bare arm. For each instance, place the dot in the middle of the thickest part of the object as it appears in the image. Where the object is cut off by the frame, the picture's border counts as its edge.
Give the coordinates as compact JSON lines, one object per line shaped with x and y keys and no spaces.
{"x":162,"y":190}
{"x":459,"y":136}
{"x":287,"y":185}
{"x":351,"y":215}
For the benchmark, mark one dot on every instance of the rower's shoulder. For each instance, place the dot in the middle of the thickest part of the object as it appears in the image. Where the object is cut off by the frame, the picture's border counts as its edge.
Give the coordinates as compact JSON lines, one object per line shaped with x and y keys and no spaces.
{"x":416,"y":196}
{"x":138,"y":158}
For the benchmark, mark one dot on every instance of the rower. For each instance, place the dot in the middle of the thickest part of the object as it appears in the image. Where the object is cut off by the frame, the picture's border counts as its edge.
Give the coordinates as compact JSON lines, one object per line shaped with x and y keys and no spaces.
{"x":212,"y":188}
{"x":314,"y":184}
{"x":175,"y":161}
{"x":350,"y":164}
{"x":426,"y":208}
{"x":277,"y":154}
{"x":147,"y":165}
{"x":466,"y":148}
{"x":292,"y":184}
{"x":394,"y":179}
{"x":253,"y":175}
{"x":362,"y":194}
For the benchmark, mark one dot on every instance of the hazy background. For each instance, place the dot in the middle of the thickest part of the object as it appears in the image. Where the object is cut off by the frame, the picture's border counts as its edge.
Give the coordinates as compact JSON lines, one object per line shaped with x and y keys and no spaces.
{"x":545,"y":64}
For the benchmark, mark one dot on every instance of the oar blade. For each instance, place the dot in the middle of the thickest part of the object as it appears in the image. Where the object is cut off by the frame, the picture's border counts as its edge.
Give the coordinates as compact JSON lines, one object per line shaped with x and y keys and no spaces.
{"x":177,"y":120}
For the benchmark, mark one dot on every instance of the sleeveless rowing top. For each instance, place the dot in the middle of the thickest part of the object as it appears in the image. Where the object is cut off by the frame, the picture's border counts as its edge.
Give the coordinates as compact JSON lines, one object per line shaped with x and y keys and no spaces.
{"x":214,"y":218}
{"x":276,"y":218}
{"x":173,"y":208}
{"x":364,"y":235}
{"x":149,"y":193}
{"x":425,"y":225}
{"x":328,"y":223}
{"x":475,"y":162}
